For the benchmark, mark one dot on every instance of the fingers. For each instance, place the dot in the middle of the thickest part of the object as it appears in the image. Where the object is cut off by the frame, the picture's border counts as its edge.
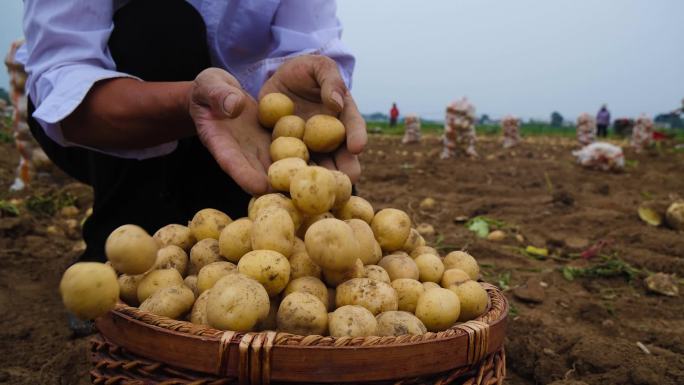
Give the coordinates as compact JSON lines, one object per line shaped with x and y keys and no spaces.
{"x":220,"y":91}
{"x":357,"y":135}
{"x":332,"y":85}
{"x":348,"y":163}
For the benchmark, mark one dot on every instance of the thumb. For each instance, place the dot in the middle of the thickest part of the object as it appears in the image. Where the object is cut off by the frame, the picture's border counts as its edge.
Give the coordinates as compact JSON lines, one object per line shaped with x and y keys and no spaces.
{"x":220,"y":91}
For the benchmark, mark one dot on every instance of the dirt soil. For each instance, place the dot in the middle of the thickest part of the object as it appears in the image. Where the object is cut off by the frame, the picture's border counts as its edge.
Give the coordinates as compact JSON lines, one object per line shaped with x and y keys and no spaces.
{"x":585,"y":331}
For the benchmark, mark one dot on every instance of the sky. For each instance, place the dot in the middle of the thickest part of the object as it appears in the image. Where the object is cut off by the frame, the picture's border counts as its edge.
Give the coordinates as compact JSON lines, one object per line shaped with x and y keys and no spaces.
{"x":523,"y":57}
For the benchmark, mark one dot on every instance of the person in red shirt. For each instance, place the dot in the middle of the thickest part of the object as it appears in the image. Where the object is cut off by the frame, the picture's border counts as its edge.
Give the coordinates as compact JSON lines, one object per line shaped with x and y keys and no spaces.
{"x":394,"y":115}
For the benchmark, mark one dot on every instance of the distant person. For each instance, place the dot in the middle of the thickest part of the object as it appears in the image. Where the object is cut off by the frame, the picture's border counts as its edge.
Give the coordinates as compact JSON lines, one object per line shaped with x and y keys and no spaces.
{"x":602,"y":122}
{"x":411,"y":129}
{"x":394,"y":115}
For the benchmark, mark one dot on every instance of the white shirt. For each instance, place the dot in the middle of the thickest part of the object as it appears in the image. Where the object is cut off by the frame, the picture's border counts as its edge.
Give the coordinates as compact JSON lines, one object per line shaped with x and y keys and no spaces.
{"x":66,"y":49}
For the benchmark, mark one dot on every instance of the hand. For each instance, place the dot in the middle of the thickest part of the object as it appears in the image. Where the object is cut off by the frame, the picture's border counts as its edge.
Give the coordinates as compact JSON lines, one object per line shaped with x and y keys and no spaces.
{"x":315,"y":85}
{"x":226,"y":121}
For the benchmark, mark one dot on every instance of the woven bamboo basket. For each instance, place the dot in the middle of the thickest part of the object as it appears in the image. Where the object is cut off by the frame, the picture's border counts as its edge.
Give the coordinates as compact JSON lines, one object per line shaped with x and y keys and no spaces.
{"x":135,"y":347}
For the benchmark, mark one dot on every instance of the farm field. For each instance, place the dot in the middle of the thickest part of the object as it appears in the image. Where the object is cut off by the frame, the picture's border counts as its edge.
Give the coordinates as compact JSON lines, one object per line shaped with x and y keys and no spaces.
{"x":573,"y":320}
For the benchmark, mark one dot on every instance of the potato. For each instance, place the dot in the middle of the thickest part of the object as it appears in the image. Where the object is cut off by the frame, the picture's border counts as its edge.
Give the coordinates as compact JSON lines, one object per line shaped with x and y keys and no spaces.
{"x":171,"y":257}
{"x":268,"y":267}
{"x":413,"y":241}
{"x":423,"y":250}
{"x":454,"y":277}
{"x":675,"y":215}
{"x":172,"y":301}
{"x":438,"y":309}
{"x":398,"y":253}
{"x":473,"y":299}
{"x":377,"y":273}
{"x":323,"y":133}
{"x":343,"y":189}
{"x":356,"y":207}
{"x":334,"y":278}
{"x":278,"y":200}
{"x":408,"y":291}
{"x":273,"y":229}
{"x":198,"y":315}
{"x":310,"y":220}
{"x":391,"y":228}
{"x":211,"y":273}
{"x":464,"y":261}
{"x":430,"y":285}
{"x":430,"y":267}
{"x":274,"y":106}
{"x":298,"y":246}
{"x":191,"y":282}
{"x":203,"y":253}
{"x":331,"y":245}
{"x":303,"y":314}
{"x":280,"y":172}
{"x":128,"y":288}
{"x":290,"y":125}
{"x":399,"y":323}
{"x":235,"y":239}
{"x":399,"y":266}
{"x":177,"y":235}
{"x":313,"y":190}
{"x":131,"y":250}
{"x":156,"y":280}
{"x":374,"y":295}
{"x":286,"y":147}
{"x":352,"y":321}
{"x":369,"y":250}
{"x":237,"y":302}
{"x":311,"y":285}
{"x":208,"y":223}
{"x":89,"y":289}
{"x":271,"y":320}
{"x":301,"y":265}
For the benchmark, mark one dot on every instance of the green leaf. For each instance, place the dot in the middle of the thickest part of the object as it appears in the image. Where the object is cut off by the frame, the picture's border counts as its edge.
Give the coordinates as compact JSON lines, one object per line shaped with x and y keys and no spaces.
{"x":479,"y":226}
{"x":568,"y":273}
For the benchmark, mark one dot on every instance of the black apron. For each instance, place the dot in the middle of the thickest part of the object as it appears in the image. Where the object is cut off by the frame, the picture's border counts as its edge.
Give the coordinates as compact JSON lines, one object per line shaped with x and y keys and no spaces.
{"x":156,"y":40}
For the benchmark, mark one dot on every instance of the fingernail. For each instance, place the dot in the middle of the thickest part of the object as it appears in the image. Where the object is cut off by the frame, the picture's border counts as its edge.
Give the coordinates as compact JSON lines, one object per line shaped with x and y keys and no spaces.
{"x":337,"y":98}
{"x":229,"y":103}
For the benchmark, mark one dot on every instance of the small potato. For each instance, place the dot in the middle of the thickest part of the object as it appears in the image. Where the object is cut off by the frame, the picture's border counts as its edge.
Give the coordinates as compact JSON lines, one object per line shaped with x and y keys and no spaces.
{"x":399,"y":323}
{"x":271,"y":320}
{"x":273,"y":229}
{"x":211,"y":273}
{"x":208,"y":223}
{"x":369,"y":250}
{"x":177,"y":235}
{"x":356,"y":207}
{"x":473,"y":298}
{"x":291,"y":125}
{"x":171,"y":257}
{"x":391,"y":228}
{"x":430,"y":267}
{"x":408,"y":292}
{"x":274,"y":106}
{"x":301,"y":265}
{"x":323,"y":133}
{"x":423,"y":250}
{"x":309,"y":285}
{"x":430,"y":285}
{"x":377,"y":273}
{"x":172,"y":302}
{"x":334,"y":278}
{"x":278,"y":200}
{"x":399,"y":266}
{"x":464,"y":261}
{"x":674,"y":216}
{"x":236,"y":239}
{"x":198,"y":315}
{"x":313,"y":190}
{"x":303,"y":314}
{"x":191,"y":282}
{"x":280,"y":172}
{"x":299,"y":246}
{"x":286,"y":147}
{"x":128,"y":288}
{"x":237,"y":302}
{"x":89,"y":289}
{"x":374,"y":295}
{"x":438,"y":309}
{"x":454,"y":277}
{"x":413,"y":241}
{"x":352,"y":321}
{"x":343,"y":189}
{"x":156,"y":280}
{"x":331,"y":245}
{"x":310,"y":220}
{"x":268,"y":267}
{"x":131,"y":250}
{"x":203,"y":253}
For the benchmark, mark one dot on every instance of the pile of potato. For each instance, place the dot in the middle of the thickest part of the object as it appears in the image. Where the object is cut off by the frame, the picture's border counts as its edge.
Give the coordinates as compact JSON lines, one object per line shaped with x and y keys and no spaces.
{"x":309,"y":259}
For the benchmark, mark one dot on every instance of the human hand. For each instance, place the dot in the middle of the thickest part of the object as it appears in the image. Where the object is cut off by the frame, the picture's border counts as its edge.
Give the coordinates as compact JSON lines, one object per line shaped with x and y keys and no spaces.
{"x":225,"y":117}
{"x":315,"y":85}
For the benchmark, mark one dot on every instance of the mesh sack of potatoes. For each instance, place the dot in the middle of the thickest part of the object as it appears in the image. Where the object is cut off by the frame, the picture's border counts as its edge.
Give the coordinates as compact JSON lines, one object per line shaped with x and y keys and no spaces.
{"x":586,"y":129}
{"x":510,"y":130}
{"x":411,"y":129}
{"x":459,"y":129}
{"x":642,"y":133}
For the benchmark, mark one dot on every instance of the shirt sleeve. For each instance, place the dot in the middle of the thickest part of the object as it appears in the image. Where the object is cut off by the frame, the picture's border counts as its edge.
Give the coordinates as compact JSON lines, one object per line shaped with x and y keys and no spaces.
{"x":65,"y":54}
